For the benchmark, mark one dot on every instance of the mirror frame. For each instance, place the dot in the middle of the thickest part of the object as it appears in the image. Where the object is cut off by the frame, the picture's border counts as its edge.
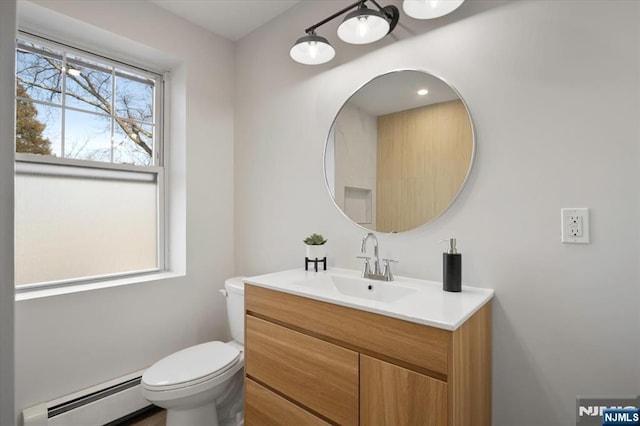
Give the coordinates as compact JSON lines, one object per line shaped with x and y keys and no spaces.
{"x":466,"y":178}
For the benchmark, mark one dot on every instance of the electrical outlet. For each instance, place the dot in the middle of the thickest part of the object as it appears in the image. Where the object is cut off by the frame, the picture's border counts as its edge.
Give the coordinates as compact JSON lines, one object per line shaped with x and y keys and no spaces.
{"x":575,"y":226}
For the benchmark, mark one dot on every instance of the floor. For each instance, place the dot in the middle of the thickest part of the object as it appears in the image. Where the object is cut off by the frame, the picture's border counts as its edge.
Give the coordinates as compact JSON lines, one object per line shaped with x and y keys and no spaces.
{"x":157,"y":419}
{"x":154,"y":418}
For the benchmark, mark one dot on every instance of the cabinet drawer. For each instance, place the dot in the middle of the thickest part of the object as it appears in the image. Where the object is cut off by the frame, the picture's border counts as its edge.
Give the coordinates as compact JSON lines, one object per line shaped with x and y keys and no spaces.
{"x":392,"y":395}
{"x":264,"y":407}
{"x":378,"y":335}
{"x":319,"y":375}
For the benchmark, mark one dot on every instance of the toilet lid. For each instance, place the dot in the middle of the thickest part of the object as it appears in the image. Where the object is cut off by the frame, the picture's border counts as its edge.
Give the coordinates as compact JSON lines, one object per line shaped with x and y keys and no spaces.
{"x":191,"y":364}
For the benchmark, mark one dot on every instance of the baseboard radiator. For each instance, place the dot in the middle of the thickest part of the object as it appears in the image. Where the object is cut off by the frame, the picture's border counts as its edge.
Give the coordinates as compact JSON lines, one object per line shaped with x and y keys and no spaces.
{"x":95,"y":406}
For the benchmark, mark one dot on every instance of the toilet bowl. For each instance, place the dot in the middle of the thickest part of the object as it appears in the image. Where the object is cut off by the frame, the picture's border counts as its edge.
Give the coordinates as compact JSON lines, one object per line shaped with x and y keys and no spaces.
{"x":203,"y":384}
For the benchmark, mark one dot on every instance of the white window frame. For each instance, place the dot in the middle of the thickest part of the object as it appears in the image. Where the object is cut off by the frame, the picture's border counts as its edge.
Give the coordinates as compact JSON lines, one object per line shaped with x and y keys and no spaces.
{"x":49,"y":165}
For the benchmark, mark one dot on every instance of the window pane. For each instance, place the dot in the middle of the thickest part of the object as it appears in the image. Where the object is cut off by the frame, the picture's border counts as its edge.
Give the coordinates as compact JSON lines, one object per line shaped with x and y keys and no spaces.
{"x":133,"y":143}
{"x":38,"y":128}
{"x":78,"y":227}
{"x":87,"y":136}
{"x":38,"y":76}
{"x":134,"y":98}
{"x":88,"y":85}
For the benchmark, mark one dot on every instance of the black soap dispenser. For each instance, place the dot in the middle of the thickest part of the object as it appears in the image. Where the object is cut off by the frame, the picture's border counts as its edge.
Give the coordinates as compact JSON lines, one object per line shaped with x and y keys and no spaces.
{"x":452,"y":268}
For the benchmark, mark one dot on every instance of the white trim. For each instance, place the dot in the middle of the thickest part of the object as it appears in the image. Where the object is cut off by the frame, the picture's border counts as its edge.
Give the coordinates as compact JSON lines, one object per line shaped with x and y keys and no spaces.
{"x":62,"y":106}
{"x":164,"y":178}
{"x":112,"y":120}
{"x":59,"y":46}
{"x":80,"y":287}
{"x":72,"y":162}
{"x":83,"y":280}
{"x":161,"y":223}
{"x":51,"y":168}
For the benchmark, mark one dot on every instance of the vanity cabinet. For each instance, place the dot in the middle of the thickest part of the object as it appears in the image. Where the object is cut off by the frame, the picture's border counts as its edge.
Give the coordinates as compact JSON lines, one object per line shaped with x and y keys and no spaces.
{"x":313,"y":362}
{"x":392,"y":395}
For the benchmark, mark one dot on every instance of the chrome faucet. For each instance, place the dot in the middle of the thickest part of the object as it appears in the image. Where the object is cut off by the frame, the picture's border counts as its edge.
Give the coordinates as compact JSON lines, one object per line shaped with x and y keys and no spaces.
{"x":366,"y":270}
{"x":363,"y":249}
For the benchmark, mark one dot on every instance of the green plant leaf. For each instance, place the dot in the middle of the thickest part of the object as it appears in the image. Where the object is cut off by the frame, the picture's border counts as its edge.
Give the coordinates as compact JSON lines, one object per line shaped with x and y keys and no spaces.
{"x":314,"y":240}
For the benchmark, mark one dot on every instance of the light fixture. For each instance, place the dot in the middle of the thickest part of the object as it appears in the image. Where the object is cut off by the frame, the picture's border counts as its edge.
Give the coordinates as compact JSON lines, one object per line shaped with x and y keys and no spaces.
{"x":430,"y":9}
{"x":422,"y":92}
{"x":312,"y":50}
{"x":360,"y":26}
{"x":363,"y":26}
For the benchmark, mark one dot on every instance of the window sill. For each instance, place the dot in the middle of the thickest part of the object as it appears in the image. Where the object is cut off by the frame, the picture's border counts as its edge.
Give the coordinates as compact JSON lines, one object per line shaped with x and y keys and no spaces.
{"x":77,"y":288}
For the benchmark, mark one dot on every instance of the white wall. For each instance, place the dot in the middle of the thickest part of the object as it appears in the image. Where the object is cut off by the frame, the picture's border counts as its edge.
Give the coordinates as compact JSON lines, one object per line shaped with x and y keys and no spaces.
{"x":553,"y":88}
{"x":68,"y":342}
{"x":7,"y":143}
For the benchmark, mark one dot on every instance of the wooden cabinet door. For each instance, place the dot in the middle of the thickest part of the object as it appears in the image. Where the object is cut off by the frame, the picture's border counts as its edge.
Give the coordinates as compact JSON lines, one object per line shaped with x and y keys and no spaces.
{"x":266,"y":408}
{"x":317,"y":375}
{"x":394,"y":396}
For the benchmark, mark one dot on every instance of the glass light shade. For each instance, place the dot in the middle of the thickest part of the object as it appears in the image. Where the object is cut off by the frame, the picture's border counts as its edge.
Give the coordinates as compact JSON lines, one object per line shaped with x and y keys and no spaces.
{"x":312,"y":50}
{"x":363,"y":26}
{"x":430,"y":9}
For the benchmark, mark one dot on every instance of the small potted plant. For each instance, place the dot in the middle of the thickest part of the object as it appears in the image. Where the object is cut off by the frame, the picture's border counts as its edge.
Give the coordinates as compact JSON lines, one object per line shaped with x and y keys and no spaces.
{"x":315,"y":246}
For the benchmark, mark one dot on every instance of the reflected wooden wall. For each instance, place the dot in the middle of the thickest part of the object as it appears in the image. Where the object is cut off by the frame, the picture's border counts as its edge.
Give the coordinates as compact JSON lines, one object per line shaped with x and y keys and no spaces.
{"x":423,"y":159}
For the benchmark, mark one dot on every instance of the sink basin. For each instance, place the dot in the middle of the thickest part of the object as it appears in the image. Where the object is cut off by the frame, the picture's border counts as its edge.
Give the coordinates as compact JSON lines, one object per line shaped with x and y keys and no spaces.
{"x":405,"y":298}
{"x":378,"y":291}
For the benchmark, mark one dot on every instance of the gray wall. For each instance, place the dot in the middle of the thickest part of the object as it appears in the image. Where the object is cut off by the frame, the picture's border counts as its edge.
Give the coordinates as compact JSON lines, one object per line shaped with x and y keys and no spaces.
{"x":553,"y":88}
{"x":7,"y":137}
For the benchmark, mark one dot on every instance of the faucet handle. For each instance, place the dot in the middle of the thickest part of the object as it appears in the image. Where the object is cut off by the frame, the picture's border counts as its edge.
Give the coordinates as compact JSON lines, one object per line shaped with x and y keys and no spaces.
{"x":366,"y":268}
{"x":388,"y":276}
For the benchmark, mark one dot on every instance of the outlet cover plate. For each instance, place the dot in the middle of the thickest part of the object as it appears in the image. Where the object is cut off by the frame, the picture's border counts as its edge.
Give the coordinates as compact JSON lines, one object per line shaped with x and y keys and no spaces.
{"x":575,"y":225}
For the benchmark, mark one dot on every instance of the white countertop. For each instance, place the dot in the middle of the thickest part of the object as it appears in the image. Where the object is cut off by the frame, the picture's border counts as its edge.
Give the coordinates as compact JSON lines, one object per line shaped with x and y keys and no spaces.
{"x":425,"y":301}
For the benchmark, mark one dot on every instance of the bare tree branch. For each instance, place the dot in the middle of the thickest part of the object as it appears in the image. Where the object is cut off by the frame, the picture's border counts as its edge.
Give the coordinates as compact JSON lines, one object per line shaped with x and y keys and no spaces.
{"x":46,"y":73}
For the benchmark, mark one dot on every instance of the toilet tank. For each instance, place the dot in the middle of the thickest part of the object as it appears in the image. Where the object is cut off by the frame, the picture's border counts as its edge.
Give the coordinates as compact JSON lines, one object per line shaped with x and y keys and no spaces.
{"x":235,"y":307}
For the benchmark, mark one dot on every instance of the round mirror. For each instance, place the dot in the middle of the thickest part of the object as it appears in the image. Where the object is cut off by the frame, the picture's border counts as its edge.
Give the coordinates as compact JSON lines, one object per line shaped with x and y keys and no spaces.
{"x":399,"y":151}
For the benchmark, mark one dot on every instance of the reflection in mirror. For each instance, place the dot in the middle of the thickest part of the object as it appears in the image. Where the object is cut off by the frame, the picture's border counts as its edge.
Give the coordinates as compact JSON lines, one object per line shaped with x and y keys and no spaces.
{"x":399,"y":151}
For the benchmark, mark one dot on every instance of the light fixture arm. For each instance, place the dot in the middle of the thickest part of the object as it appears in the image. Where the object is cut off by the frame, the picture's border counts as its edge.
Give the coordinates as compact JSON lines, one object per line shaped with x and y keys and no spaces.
{"x":391,"y":12}
{"x":382,"y":9}
{"x":312,"y":28}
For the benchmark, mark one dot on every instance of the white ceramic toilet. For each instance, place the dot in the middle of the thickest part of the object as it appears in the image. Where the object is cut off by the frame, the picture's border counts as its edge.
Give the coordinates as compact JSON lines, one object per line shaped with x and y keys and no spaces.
{"x":203,"y":384}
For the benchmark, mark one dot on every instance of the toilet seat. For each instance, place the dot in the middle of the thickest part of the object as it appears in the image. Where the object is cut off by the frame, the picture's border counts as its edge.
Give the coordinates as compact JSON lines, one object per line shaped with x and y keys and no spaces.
{"x":191,"y":366}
